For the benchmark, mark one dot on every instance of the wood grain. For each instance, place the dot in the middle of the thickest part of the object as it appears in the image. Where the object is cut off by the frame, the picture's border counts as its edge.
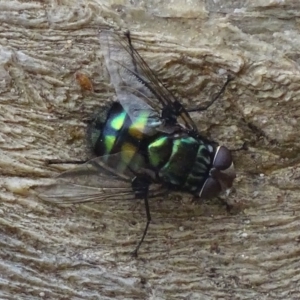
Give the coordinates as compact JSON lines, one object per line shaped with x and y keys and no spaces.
{"x":192,"y":251}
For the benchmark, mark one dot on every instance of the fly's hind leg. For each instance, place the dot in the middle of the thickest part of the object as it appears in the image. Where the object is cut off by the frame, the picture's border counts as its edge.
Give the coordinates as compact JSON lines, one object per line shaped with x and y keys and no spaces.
{"x":58,"y":161}
{"x":135,"y":252}
{"x":140,"y":185}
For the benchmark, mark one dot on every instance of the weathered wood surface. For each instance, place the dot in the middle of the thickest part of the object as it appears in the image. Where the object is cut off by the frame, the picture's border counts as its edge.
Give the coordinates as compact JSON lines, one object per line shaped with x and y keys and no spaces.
{"x":191,"y":251}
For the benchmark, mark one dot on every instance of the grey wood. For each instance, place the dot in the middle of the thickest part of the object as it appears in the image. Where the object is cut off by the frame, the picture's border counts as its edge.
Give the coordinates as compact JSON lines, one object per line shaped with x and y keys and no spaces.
{"x":192,"y":251}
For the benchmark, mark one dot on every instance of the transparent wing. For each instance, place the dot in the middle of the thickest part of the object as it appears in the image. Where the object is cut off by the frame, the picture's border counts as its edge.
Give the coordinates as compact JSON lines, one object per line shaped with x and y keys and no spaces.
{"x":107,"y":177}
{"x":137,"y":87}
{"x":92,"y":181}
{"x":63,"y":191}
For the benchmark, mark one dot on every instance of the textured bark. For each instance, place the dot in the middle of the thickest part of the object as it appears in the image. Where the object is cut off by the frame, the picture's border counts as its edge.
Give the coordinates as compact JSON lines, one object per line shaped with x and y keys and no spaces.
{"x":191,"y":251}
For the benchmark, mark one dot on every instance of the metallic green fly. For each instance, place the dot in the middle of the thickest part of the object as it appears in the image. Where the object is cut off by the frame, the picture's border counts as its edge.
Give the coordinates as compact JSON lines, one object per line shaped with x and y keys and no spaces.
{"x":146,"y":143}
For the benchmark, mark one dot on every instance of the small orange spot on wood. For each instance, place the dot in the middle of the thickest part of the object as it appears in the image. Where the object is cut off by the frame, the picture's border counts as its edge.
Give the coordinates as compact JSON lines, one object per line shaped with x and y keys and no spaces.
{"x":84,"y":82}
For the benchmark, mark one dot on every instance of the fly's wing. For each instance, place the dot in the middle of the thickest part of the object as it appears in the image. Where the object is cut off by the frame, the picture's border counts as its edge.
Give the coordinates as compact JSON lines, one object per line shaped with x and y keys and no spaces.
{"x":138,"y":89}
{"x":101,"y":178}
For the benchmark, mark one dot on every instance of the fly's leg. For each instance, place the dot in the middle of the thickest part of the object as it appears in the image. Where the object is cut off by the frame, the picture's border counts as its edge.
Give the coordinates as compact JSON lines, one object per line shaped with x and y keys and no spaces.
{"x":127,"y":34}
{"x":140,"y":185}
{"x":58,"y":161}
{"x":216,"y":97}
{"x":135,"y":252}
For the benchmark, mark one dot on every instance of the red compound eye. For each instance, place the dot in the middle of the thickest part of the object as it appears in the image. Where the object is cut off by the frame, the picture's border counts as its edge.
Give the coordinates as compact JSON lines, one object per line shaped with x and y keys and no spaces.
{"x":211,"y":188}
{"x":223,"y":159}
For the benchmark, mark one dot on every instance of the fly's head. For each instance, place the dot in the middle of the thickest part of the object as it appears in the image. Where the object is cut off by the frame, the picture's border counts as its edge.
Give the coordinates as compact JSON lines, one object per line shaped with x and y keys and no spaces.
{"x":221,"y":174}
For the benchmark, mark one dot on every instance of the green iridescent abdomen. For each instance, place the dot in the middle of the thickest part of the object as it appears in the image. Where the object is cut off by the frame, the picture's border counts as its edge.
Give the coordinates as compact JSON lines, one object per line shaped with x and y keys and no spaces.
{"x":112,"y":131}
{"x":181,"y":161}
{"x":178,"y":160}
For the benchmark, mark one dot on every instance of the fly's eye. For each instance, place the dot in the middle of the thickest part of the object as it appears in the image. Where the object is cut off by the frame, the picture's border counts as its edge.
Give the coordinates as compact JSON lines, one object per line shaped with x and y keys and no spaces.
{"x":211,"y":188}
{"x":223,"y":159}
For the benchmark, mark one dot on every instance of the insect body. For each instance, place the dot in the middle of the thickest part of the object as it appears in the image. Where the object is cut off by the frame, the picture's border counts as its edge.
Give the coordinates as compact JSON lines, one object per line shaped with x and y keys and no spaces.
{"x":178,"y":160}
{"x":146,"y":144}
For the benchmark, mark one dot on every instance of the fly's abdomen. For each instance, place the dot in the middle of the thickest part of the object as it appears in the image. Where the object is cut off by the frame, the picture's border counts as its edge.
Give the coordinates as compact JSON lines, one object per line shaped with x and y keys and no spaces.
{"x":183,"y":162}
{"x":112,"y":132}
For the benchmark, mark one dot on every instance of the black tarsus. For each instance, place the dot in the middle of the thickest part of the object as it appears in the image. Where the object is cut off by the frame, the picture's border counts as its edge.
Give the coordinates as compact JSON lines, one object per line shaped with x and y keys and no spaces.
{"x":58,"y":161}
{"x":135,"y":252}
{"x":140,"y":185}
{"x":243,"y":147}
{"x":202,"y":108}
{"x":127,"y":34}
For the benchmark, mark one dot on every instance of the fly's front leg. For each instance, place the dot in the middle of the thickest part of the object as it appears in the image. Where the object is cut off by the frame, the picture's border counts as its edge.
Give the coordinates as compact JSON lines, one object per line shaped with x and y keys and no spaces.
{"x":212,"y":101}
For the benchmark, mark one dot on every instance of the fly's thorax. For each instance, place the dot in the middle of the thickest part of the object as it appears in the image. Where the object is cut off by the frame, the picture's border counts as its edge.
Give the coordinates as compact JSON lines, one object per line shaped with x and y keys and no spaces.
{"x":159,"y":151}
{"x":201,"y":167}
{"x":180,"y":160}
{"x":221,"y":174}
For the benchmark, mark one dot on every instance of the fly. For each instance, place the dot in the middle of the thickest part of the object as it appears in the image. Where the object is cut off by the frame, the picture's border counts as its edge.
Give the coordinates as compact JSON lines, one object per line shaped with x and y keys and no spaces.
{"x":146,"y":143}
